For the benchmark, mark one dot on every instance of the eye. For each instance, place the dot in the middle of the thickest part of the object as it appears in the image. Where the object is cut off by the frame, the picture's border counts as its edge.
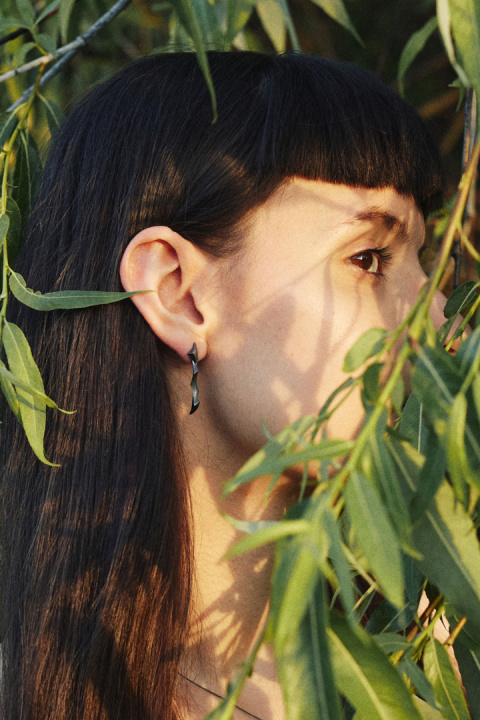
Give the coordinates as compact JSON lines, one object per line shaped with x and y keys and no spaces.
{"x":372,"y":261}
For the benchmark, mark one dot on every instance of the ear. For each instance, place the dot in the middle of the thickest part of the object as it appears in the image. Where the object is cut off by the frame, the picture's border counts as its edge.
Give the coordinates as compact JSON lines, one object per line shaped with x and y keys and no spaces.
{"x":174,"y":271}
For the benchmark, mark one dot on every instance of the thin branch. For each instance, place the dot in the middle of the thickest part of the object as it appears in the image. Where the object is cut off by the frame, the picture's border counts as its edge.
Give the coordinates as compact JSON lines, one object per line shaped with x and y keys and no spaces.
{"x":14,"y":35}
{"x":65,"y":53}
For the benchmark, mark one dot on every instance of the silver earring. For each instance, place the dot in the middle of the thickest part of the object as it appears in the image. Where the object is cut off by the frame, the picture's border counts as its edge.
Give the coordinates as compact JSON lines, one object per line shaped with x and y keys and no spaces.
{"x":193,"y":384}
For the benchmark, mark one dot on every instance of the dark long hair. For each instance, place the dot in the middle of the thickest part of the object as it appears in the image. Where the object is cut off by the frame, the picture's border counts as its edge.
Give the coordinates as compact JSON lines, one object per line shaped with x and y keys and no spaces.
{"x":98,"y":551}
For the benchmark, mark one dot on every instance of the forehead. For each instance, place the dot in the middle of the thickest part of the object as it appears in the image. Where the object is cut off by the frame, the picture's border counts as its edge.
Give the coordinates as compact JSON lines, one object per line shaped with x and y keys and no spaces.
{"x":337,"y":206}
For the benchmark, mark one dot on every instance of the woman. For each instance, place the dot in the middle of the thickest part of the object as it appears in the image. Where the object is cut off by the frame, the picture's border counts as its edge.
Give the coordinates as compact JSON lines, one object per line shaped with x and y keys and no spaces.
{"x":266,"y":243}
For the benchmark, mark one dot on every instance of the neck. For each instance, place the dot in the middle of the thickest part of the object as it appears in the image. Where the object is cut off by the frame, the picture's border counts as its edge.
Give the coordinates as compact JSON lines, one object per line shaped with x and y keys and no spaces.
{"x":230,"y":599}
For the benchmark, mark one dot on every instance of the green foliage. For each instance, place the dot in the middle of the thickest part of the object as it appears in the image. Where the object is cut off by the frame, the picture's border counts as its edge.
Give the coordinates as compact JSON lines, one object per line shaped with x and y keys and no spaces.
{"x":391,"y":515}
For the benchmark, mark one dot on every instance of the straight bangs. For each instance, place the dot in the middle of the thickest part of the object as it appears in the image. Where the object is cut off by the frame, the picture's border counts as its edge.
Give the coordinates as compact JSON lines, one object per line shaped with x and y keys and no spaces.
{"x":278,"y":117}
{"x":333,"y":122}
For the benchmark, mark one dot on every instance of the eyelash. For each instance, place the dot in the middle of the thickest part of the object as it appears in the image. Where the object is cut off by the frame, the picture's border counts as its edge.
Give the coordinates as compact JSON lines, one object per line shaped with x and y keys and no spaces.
{"x":384,"y":256}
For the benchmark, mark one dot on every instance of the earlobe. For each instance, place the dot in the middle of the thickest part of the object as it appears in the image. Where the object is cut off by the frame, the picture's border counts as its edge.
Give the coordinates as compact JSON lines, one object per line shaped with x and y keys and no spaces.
{"x":170,"y":268}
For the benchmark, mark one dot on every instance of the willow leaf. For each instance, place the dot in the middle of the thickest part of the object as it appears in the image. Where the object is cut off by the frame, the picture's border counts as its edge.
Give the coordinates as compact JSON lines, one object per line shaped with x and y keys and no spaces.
{"x":62,"y":299}
{"x":289,"y":23}
{"x":365,"y":675}
{"x":458,"y":464}
{"x":461,"y":298}
{"x":264,"y":532}
{"x":338,"y":12}
{"x":238,"y":14}
{"x":340,"y":565}
{"x":188,"y":19}
{"x":296,"y":570}
{"x":427,"y":711}
{"x":452,"y":562}
{"x":14,"y":229}
{"x":376,"y":536}
{"x":440,"y":673}
{"x":469,"y":665}
{"x":368,"y":345}
{"x":304,"y":665}
{"x":4,"y":225}
{"x":415,"y":44}
{"x":37,"y":394}
{"x":465,"y":26}
{"x":8,"y":390}
{"x":32,"y":410}
{"x":273,"y":22}
{"x":445,"y":25}
{"x":65,"y":10}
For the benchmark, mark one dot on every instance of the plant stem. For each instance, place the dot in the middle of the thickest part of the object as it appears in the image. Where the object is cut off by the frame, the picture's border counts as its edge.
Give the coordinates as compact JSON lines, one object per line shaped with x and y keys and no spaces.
{"x":4,"y":191}
{"x":68,"y":51}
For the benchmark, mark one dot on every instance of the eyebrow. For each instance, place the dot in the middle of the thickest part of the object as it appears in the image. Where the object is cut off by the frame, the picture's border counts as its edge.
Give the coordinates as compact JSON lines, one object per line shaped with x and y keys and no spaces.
{"x":382,"y":217}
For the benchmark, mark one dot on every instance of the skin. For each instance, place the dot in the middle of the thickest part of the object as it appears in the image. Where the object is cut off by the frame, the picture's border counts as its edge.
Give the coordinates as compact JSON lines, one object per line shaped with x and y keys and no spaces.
{"x":320,"y":265}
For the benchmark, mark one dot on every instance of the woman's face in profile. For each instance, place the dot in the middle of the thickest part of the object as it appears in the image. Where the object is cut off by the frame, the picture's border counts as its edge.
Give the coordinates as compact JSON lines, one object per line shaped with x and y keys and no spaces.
{"x":321,"y":264}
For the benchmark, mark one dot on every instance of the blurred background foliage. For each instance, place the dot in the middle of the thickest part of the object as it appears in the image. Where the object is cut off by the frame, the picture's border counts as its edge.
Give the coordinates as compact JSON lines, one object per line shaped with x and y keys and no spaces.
{"x":373,"y":36}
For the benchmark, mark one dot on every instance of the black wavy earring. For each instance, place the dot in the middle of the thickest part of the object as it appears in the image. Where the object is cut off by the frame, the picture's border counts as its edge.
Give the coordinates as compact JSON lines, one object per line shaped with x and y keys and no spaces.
{"x":193,"y":384}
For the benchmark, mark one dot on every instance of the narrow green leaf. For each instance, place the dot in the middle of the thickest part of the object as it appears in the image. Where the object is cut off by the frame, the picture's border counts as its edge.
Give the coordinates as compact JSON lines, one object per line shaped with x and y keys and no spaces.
{"x":273,"y":22}
{"x":47,"y":42}
{"x":365,"y":675}
{"x":26,"y":11}
{"x":26,"y":174}
{"x":465,"y":26}
{"x":378,"y":466}
{"x":14,"y":233}
{"x":448,"y":691}
{"x":51,"y":7}
{"x":412,"y":424}
{"x":445,"y":25}
{"x":260,"y":464}
{"x":427,"y":711}
{"x":4,"y":225}
{"x":65,"y":10}
{"x":12,"y":23}
{"x":188,"y":19}
{"x":53,"y":113}
{"x":32,"y":410}
{"x":452,"y":562}
{"x":9,"y":391}
{"x":296,"y":570}
{"x":63,"y":299}
{"x":458,"y":464}
{"x":304,"y":665}
{"x":376,"y":536}
{"x":418,"y":679}
{"x":22,"y":52}
{"x":37,"y":394}
{"x":368,"y":345}
{"x":238,"y":14}
{"x":7,"y":126}
{"x":391,"y":642}
{"x":338,"y":12}
{"x":340,"y":565}
{"x":461,"y":298}
{"x":290,"y":26}
{"x":431,"y":477}
{"x":372,"y":385}
{"x":414,"y":46}
{"x":388,"y":618}
{"x":264,"y":532}
{"x":469,"y":665}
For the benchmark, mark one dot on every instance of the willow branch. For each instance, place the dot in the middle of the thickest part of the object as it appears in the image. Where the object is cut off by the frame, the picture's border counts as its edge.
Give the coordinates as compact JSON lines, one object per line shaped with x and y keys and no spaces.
{"x":65,"y":53}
